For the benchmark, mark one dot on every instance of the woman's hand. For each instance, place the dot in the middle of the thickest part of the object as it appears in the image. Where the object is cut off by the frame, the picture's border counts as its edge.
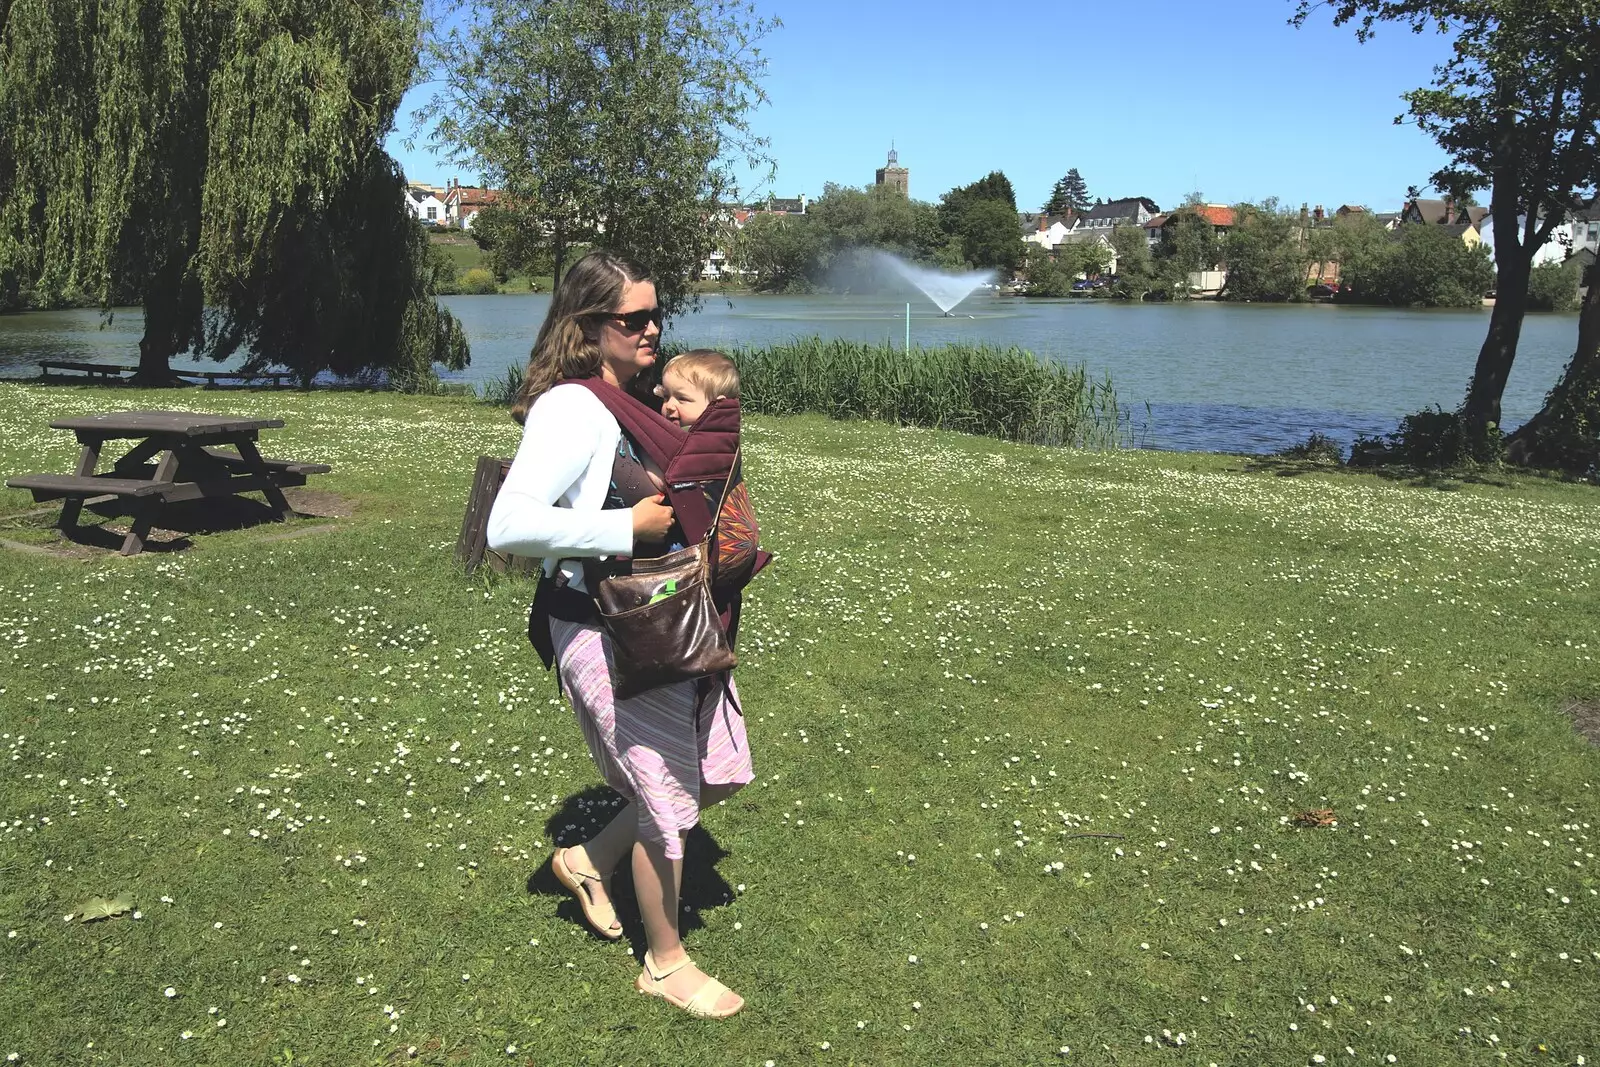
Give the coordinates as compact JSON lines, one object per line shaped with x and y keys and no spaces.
{"x":652,"y":518}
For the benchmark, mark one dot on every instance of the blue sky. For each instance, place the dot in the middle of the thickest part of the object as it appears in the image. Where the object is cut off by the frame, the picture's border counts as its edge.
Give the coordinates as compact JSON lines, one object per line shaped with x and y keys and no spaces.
{"x":1151,"y":99}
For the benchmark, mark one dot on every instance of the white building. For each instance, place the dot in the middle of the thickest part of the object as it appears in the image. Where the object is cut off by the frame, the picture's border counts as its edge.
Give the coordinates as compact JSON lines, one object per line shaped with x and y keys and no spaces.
{"x":1049,"y":231}
{"x":424,"y":204}
{"x":1571,"y":236}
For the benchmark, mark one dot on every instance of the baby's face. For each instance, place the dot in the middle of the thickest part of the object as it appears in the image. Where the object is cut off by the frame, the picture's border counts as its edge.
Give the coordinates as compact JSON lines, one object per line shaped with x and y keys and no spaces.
{"x":683,"y":402}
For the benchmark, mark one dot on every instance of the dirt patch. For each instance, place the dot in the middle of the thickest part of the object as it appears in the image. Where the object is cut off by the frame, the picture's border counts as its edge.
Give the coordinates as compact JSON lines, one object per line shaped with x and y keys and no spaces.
{"x":319,"y":503}
{"x":59,"y":550}
{"x":1585,"y":715}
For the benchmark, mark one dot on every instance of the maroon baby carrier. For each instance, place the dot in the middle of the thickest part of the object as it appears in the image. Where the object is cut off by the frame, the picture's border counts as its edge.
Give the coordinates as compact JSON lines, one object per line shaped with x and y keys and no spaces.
{"x":703,"y":480}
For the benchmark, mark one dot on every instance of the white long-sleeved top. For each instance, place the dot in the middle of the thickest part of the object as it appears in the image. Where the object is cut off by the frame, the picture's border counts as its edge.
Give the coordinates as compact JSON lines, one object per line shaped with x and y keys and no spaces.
{"x":550,"y":504}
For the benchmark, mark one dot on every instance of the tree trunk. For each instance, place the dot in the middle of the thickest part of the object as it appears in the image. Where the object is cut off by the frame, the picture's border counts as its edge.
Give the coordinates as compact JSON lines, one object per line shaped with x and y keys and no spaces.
{"x":156,"y":347}
{"x":173,"y":312}
{"x":558,"y":255}
{"x":1482,"y":405}
{"x":1566,"y":432}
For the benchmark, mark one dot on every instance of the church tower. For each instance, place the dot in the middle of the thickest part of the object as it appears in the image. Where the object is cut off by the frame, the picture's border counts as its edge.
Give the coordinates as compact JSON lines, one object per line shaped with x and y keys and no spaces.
{"x":894,"y":175}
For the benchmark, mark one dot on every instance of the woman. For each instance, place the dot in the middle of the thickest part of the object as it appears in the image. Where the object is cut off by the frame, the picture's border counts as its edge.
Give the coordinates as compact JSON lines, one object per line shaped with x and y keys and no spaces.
{"x":579,"y":496}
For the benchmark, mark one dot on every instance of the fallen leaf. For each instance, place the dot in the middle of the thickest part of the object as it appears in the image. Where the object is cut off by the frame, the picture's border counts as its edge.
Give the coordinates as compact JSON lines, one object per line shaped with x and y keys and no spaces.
{"x":96,"y":908}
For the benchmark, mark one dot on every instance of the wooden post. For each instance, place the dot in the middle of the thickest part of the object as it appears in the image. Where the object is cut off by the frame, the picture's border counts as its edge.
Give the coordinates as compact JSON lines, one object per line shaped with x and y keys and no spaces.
{"x":472,"y":547}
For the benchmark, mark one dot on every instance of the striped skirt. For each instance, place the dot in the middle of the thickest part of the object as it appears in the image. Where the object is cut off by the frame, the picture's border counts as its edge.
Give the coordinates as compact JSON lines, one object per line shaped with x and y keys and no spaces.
{"x":647,"y":747}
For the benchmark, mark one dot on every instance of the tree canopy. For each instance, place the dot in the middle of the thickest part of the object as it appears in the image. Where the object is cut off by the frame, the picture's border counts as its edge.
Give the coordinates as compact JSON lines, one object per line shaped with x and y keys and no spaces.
{"x":1070,"y":193}
{"x":613,"y":120}
{"x":211,"y":160}
{"x":1516,"y":108}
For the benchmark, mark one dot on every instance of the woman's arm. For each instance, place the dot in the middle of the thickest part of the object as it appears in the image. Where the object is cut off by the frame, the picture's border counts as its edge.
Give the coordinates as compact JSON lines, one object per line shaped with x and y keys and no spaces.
{"x":560,"y":440}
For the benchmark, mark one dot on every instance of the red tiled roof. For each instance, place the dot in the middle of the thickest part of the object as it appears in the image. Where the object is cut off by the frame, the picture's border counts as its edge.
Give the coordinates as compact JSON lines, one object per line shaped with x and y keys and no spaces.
{"x":1156,"y":222}
{"x":1216,"y":214}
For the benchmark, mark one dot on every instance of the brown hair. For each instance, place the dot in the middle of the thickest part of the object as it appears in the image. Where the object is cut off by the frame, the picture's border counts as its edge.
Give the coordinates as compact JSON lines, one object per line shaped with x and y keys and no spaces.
{"x":592,"y":286}
{"x":709,"y":370}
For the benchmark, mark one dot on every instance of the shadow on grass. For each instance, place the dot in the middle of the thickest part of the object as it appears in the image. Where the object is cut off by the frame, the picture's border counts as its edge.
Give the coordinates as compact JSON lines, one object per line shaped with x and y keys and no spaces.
{"x":177,"y":524}
{"x":580,"y":817}
{"x":1444,"y":481}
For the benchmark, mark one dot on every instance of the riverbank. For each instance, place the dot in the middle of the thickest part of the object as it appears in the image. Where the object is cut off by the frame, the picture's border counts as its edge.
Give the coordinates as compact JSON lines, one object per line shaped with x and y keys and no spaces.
{"x":1311,"y":715}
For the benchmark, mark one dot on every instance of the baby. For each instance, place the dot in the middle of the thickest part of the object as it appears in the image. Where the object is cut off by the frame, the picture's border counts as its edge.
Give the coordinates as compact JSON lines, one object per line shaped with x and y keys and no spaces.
{"x":692,"y":380}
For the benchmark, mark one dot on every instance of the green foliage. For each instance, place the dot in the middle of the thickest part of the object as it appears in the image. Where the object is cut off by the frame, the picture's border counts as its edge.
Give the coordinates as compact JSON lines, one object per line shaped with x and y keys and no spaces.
{"x":513,"y":239}
{"x":1004,"y":392}
{"x":614,"y":118}
{"x":1419,"y":265}
{"x":987,"y":230}
{"x":1515,"y":107}
{"x":1047,"y":275}
{"x":1135,"y":265}
{"x":1318,"y":447}
{"x":982,"y":218}
{"x":480,"y":281}
{"x":1432,"y":439}
{"x":783,"y":253}
{"x":1189,"y":244}
{"x":1554,"y":286}
{"x":350,"y":290}
{"x":187,"y":154}
{"x":1069,"y":193}
{"x":1266,"y":255}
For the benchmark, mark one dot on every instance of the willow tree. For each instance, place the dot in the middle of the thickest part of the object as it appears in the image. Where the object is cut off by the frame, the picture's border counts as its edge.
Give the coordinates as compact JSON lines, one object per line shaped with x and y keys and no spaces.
{"x":617,"y":120}
{"x":202,"y":157}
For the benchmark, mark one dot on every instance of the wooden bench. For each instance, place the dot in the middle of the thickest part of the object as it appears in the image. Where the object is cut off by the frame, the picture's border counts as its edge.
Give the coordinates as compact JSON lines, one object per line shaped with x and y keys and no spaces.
{"x":105,"y":371}
{"x":60,"y":486}
{"x":284,"y":471}
{"x":211,"y":379}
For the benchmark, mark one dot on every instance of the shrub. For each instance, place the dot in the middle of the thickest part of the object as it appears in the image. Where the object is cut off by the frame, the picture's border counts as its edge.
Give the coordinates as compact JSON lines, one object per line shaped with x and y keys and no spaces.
{"x":1317,"y":448}
{"x":1554,"y":287}
{"x":478,"y":281}
{"x":1437,"y":439}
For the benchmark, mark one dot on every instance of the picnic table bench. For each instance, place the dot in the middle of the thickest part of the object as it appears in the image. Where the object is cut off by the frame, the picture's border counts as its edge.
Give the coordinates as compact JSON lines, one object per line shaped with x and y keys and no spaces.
{"x":180,"y":455}
{"x":124,"y":371}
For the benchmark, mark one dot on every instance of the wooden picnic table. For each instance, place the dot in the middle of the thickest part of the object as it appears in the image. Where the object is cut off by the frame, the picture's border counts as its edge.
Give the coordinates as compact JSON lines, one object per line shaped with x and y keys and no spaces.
{"x":180,"y":455}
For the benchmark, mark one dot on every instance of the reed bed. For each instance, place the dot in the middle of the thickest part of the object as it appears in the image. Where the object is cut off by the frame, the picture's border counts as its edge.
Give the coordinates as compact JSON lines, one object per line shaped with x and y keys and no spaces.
{"x":990,"y":390}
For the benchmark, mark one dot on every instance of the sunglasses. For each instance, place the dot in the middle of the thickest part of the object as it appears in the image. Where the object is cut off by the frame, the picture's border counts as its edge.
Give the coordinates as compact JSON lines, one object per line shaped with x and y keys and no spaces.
{"x":636,"y":321}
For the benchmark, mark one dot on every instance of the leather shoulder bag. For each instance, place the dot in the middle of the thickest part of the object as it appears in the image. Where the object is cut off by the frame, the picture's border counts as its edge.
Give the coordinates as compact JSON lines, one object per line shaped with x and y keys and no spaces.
{"x":662,"y":621}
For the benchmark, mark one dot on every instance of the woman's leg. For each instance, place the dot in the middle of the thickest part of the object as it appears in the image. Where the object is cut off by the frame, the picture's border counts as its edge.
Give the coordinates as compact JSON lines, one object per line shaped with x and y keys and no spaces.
{"x":657,"y":881}
{"x":604,"y":852}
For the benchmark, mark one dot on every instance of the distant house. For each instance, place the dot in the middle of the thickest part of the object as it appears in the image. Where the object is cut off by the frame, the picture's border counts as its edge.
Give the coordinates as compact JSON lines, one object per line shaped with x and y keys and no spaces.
{"x":463,"y":202}
{"x":1046,"y":231}
{"x":1578,"y":235}
{"x":1442,"y":213}
{"x":1153,"y":229}
{"x":424,"y":205}
{"x":1220,"y":216}
{"x":777,"y":205}
{"x":1129,"y":211}
{"x":1586,"y":229}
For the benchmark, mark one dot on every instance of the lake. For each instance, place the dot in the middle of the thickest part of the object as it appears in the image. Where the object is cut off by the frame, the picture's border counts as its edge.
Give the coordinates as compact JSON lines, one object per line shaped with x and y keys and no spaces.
{"x":1198,"y":376}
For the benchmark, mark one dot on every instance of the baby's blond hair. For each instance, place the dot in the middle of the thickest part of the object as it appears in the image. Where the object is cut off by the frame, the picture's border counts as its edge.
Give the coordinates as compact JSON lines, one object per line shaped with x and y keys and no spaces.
{"x":708,"y":370}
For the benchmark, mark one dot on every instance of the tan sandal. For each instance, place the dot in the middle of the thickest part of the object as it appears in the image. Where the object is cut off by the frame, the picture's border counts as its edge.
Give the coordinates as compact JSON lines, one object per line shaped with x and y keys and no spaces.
{"x":703,"y":1005}
{"x":574,"y":880}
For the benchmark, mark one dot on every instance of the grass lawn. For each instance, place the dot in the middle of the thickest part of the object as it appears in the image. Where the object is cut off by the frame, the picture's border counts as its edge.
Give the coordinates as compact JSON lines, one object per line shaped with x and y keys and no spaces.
{"x":328,"y":771}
